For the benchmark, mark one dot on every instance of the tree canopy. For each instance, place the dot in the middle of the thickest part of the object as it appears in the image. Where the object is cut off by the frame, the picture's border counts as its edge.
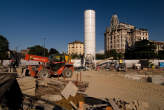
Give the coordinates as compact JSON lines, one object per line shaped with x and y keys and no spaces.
{"x":113,"y":53}
{"x":53,"y":51}
{"x":75,"y":56}
{"x":161,"y":53}
{"x":38,"y":50}
{"x":4,"y":47}
{"x":143,"y":49}
{"x":100,"y":56}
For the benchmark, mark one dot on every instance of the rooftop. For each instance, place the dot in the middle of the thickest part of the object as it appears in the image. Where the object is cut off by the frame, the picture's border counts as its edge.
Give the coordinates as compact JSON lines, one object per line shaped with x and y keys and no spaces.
{"x":76,"y":41}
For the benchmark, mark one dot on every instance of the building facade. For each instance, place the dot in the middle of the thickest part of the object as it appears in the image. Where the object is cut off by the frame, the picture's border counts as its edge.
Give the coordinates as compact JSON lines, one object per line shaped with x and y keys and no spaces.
{"x":159,"y":45}
{"x":76,"y":47}
{"x":120,"y":36}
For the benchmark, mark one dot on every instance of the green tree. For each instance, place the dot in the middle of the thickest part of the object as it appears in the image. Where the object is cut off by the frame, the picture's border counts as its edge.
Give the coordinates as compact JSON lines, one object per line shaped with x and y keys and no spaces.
{"x":75,"y":56}
{"x":112,"y":53}
{"x":38,"y":50}
{"x":120,"y":55}
{"x":100,"y":56}
{"x":161,"y":53}
{"x":143,"y":49}
{"x":4,"y":47}
{"x":53,"y":51}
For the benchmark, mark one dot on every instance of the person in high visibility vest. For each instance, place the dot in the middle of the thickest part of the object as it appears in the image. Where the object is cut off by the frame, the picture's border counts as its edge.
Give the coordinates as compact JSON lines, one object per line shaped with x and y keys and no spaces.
{"x":121,"y":61}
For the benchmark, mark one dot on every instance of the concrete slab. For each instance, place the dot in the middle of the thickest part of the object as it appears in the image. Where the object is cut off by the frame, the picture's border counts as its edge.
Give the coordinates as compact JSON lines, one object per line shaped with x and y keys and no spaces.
{"x":69,"y":90}
{"x":158,"y":79}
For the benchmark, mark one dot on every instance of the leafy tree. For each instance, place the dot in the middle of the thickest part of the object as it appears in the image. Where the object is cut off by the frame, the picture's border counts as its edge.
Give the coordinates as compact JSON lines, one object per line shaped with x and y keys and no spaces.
{"x":75,"y":56}
{"x":100,"y":56}
{"x":4,"y":47}
{"x":112,"y":53}
{"x":38,"y":50}
{"x":143,"y":49}
{"x":161,"y":53}
{"x":120,"y":55}
{"x":53,"y":51}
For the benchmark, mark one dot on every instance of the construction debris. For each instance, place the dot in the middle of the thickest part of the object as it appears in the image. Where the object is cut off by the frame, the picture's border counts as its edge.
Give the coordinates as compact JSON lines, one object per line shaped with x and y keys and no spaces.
{"x":47,"y":96}
{"x":52,"y":97}
{"x":133,"y":105}
{"x":158,"y":79}
{"x":69,"y":90}
{"x":27,"y":85}
{"x":10,"y":94}
{"x":3,"y":69}
{"x":65,"y":94}
{"x":51,"y":92}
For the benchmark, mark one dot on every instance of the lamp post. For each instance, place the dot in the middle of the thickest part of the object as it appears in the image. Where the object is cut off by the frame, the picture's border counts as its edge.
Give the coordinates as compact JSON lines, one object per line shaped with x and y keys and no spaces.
{"x":44,"y":39}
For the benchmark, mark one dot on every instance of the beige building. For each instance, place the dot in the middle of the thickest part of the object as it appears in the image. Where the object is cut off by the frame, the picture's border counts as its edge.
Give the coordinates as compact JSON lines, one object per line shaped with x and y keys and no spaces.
{"x":120,"y":36}
{"x":159,"y":45}
{"x":76,"y":47}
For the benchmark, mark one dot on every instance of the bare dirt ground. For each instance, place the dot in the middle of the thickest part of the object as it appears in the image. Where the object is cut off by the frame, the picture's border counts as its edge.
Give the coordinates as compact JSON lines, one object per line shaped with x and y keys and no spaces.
{"x":107,"y":84}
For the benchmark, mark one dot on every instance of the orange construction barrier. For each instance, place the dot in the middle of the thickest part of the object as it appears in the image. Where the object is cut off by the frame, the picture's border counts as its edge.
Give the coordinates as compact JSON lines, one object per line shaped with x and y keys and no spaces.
{"x":81,"y":105}
{"x":108,"y":108}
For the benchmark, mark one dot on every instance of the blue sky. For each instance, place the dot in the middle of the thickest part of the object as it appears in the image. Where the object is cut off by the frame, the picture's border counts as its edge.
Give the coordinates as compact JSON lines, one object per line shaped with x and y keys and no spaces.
{"x":27,"y":22}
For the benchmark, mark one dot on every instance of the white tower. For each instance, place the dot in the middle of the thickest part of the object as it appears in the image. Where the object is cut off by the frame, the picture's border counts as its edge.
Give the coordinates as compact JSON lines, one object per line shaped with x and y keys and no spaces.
{"x":89,"y":33}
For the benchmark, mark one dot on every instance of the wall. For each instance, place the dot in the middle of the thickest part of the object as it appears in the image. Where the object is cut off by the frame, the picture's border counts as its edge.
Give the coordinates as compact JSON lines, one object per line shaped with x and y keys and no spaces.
{"x":77,"y":62}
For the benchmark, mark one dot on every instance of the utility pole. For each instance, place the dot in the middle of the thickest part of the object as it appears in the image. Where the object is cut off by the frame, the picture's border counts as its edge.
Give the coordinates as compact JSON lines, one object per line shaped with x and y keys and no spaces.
{"x":44,"y":39}
{"x":16,"y":48}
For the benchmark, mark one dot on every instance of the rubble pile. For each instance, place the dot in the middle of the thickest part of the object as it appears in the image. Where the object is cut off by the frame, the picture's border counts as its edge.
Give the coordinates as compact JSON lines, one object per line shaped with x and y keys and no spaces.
{"x":133,"y":105}
{"x":3,"y":69}
{"x":49,"y":93}
{"x":27,"y":85}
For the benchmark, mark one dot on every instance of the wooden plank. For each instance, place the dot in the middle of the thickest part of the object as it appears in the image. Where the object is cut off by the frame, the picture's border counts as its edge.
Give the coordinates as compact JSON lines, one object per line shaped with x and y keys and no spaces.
{"x":73,"y":105}
{"x":30,"y":92}
{"x":5,"y":77}
{"x":113,"y":104}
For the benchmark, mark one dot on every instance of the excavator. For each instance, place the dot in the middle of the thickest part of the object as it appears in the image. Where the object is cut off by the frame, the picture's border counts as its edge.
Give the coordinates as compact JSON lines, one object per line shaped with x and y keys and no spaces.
{"x":49,"y":66}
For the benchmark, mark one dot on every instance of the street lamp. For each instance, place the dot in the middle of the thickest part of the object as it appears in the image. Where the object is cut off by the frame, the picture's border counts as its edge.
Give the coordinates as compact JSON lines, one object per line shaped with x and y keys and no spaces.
{"x":44,"y":39}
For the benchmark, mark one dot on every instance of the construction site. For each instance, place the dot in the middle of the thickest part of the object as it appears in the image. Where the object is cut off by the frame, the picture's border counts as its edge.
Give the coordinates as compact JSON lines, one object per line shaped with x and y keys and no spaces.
{"x":102,"y":88}
{"x":59,"y":82}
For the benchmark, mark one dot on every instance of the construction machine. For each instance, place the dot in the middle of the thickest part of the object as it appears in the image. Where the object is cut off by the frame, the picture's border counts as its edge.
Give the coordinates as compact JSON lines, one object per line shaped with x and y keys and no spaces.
{"x":48,"y":66}
{"x":120,"y":65}
{"x":89,"y":62}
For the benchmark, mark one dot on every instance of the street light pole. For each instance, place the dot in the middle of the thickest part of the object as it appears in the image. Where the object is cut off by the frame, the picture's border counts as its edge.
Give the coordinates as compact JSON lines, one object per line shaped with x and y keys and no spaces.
{"x":44,"y":39}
